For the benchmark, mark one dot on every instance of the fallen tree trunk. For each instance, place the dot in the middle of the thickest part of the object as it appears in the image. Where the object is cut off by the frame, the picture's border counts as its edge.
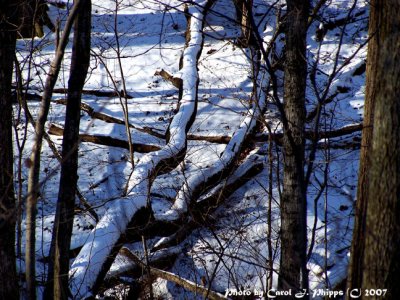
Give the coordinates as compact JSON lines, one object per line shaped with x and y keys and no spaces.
{"x":163,"y":259}
{"x":201,"y":210}
{"x":110,"y":119}
{"x":345,"y":130}
{"x":105,"y":140}
{"x":195,"y":185}
{"x":212,"y":139}
{"x":179,"y":230}
{"x":96,"y":256}
{"x":97,"y":93}
{"x":165,"y":253}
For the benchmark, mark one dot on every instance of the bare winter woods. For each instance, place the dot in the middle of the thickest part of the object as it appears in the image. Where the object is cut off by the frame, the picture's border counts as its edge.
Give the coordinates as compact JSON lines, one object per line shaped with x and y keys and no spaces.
{"x":205,"y":149}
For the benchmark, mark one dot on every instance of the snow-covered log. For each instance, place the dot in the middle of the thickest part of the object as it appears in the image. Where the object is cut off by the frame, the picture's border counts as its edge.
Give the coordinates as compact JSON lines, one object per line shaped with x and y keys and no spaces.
{"x":96,"y":256}
{"x":201,"y":181}
{"x":210,"y":201}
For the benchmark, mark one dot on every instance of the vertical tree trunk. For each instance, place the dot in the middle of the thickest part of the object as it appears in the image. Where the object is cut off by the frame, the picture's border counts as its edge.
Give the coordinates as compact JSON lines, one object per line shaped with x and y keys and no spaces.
{"x":354,"y":279}
{"x":381,"y":268}
{"x":8,"y":274}
{"x":32,"y":19}
{"x":34,"y":171}
{"x":244,"y":13}
{"x":57,"y":286}
{"x":293,"y":271}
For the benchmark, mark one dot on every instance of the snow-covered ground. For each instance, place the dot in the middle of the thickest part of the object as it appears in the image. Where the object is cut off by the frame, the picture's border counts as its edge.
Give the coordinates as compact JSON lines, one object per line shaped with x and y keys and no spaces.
{"x":232,"y":251}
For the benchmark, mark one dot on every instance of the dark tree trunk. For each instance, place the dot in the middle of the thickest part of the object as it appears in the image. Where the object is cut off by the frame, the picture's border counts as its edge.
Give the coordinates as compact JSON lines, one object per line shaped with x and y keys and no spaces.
{"x":57,"y":286}
{"x":34,"y":171}
{"x":244,"y":13}
{"x":8,"y":274}
{"x":293,"y":272}
{"x":381,"y":268}
{"x":374,"y":48}
{"x":33,"y":17}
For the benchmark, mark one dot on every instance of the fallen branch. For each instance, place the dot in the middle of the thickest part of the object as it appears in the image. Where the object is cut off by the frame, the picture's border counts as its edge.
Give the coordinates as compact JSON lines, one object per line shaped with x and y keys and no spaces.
{"x":96,"y":93}
{"x":26,"y":95}
{"x":186,"y":284}
{"x":105,"y":140}
{"x":163,"y":259}
{"x":212,"y":139}
{"x":345,"y":130}
{"x":164,"y":253}
{"x":175,"y":81}
{"x":35,"y":97}
{"x":110,"y":119}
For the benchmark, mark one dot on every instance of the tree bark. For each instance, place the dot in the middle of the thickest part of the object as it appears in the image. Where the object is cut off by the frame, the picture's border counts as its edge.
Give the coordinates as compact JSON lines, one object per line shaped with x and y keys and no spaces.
{"x":34,"y":171}
{"x":244,"y":13}
{"x":106,"y":140}
{"x":110,"y":119}
{"x":381,"y":261}
{"x":358,"y":244}
{"x":293,"y":271}
{"x":8,"y":275}
{"x":57,"y":285}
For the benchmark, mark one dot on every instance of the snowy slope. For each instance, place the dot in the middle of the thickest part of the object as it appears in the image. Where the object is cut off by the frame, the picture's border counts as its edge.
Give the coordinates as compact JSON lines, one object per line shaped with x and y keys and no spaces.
{"x":232,"y":251}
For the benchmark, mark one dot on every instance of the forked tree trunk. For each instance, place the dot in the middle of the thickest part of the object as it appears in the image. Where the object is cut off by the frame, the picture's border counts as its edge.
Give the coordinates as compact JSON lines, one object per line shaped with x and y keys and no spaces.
{"x":381,"y":266}
{"x":293,"y":272}
{"x":8,"y":275}
{"x":57,"y":284}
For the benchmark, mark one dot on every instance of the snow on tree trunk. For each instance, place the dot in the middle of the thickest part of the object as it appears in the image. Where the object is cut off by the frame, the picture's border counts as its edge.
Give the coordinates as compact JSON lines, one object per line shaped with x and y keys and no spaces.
{"x":208,"y":202}
{"x":201,"y":181}
{"x":91,"y":263}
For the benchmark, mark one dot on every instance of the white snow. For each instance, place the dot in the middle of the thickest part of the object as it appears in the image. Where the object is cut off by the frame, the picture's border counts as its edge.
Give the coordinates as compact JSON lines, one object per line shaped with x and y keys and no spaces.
{"x":152,"y":38}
